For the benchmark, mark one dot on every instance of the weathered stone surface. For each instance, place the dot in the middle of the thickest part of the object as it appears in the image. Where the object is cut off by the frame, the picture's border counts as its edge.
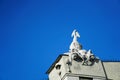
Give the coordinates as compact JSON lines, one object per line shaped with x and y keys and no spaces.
{"x":96,"y":71}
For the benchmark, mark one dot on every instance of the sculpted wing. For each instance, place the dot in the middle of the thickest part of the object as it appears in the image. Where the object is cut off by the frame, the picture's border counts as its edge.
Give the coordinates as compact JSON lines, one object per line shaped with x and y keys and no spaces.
{"x":77,"y":34}
{"x":73,"y":33}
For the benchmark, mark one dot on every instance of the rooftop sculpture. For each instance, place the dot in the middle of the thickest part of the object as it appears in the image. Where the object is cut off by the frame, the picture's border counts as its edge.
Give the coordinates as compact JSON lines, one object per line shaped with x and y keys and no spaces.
{"x":87,"y":57}
{"x":75,"y":45}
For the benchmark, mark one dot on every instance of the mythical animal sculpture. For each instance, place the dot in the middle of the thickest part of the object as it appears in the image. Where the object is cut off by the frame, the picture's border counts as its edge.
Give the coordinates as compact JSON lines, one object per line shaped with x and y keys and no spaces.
{"x":76,"y":49}
{"x":75,"y":45}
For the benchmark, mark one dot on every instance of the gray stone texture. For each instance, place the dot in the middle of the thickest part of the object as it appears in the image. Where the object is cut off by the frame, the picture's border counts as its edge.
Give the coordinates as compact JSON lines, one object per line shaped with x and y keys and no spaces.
{"x":97,"y":71}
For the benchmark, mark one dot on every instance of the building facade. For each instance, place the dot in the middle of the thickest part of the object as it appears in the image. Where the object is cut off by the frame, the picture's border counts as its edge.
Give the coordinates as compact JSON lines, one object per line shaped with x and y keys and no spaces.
{"x":80,"y":64}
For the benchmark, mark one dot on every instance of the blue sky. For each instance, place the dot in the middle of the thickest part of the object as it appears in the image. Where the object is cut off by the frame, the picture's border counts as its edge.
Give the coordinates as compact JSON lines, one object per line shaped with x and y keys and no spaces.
{"x":34,"y":32}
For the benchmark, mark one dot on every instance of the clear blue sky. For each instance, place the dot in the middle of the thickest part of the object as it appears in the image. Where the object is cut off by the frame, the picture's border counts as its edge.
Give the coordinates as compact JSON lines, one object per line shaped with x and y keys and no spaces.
{"x":33,"y":33}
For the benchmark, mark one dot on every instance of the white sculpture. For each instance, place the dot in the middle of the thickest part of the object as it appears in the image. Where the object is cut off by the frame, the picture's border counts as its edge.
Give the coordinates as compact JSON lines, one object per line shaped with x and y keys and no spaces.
{"x":75,"y":34}
{"x":82,"y":54}
{"x":76,"y":48}
{"x":75,"y":45}
{"x":88,"y":55}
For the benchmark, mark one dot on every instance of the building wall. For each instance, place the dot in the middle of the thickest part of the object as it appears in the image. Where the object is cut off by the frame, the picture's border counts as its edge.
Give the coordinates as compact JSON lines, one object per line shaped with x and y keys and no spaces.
{"x":71,"y":78}
{"x":57,"y":74}
{"x":98,"y":71}
{"x":78,"y":68}
{"x":81,"y":77}
{"x":112,"y":70}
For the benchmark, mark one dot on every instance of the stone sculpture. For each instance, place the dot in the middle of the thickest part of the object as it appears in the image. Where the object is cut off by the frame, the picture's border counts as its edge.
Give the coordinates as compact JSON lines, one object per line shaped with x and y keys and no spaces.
{"x":76,"y":50}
